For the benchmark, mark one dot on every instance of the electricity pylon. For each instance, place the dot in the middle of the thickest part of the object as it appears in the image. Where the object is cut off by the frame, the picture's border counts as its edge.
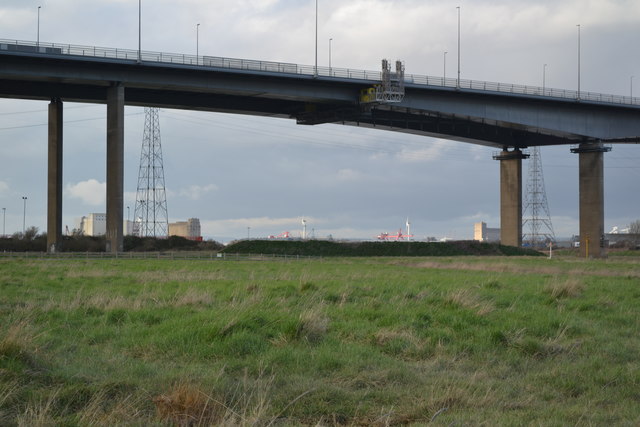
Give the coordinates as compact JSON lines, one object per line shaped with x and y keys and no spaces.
{"x":150,"y":215}
{"x":538,"y":230}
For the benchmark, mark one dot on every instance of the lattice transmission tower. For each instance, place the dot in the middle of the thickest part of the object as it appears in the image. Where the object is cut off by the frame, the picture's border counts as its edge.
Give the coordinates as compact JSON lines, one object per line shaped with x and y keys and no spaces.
{"x":536,"y":224}
{"x":150,"y":214}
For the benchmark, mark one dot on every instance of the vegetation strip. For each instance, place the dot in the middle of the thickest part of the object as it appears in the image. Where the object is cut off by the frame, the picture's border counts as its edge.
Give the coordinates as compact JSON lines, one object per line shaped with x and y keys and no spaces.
{"x":326,"y":248}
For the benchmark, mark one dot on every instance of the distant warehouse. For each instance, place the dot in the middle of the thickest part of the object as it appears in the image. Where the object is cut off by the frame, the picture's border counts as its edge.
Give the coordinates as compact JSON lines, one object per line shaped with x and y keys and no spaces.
{"x":482,"y":233}
{"x":189,"y":229}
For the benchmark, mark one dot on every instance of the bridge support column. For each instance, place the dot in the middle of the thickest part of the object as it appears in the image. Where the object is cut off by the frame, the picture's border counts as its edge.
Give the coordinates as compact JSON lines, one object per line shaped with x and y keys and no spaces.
{"x":591,"y":187}
{"x":54,"y":177}
{"x":511,"y":196}
{"x":115,"y":167}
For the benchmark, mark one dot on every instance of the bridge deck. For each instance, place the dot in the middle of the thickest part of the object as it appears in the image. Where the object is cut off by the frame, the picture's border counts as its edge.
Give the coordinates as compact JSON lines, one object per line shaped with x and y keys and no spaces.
{"x":214,"y":62}
{"x":486,"y":113}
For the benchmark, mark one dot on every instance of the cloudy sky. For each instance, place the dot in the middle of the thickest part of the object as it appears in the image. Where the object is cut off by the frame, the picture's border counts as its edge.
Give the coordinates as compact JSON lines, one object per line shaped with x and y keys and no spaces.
{"x":235,"y":172}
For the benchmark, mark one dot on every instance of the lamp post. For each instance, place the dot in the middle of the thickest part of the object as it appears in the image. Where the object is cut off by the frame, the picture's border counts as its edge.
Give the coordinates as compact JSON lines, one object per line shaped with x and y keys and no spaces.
{"x":544,"y":78}
{"x":139,"y":31}
{"x":197,"y":44}
{"x":24,"y":214}
{"x":578,"y":60}
{"x":631,"y":88}
{"x":458,"y":81}
{"x":315,"y":69}
{"x":38,"y":34}
{"x":330,"y":40}
{"x":444,"y":68}
{"x":4,"y":216}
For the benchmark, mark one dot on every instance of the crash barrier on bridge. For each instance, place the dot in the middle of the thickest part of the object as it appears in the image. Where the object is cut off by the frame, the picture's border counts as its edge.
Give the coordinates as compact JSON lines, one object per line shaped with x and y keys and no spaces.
{"x":213,"y":62}
{"x":203,"y":256}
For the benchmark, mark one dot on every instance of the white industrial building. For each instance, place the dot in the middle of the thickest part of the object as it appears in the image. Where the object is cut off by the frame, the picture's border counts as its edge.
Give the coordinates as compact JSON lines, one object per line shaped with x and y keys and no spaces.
{"x":95,"y":224}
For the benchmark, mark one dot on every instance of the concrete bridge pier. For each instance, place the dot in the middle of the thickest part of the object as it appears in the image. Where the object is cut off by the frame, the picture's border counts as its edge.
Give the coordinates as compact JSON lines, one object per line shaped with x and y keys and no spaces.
{"x":115,"y":167}
{"x":591,"y":187}
{"x":54,"y":177}
{"x":511,"y":196}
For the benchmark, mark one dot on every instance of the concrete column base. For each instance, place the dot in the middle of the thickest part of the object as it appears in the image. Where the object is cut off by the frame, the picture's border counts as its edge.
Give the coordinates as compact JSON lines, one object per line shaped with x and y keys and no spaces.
{"x":511,"y":196}
{"x":591,"y":165}
{"x":54,"y":178}
{"x":115,"y":167}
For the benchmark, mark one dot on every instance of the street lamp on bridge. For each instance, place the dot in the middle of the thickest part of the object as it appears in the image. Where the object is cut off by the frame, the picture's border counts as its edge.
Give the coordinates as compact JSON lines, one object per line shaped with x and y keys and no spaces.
{"x":38,"y":34}
{"x":444,"y":68}
{"x":139,"y":31}
{"x":458,"y":81}
{"x":315,"y":69}
{"x":578,"y":60}
{"x":197,"y":44}
{"x":24,"y":214}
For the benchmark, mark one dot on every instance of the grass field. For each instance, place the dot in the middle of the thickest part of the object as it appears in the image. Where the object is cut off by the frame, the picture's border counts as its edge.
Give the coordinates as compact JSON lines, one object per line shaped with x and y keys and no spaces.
{"x":358,"y":341}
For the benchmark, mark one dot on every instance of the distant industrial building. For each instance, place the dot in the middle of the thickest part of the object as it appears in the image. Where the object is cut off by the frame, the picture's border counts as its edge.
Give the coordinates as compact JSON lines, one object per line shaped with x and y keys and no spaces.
{"x":189,"y":229}
{"x":482,"y":233}
{"x":95,"y":224}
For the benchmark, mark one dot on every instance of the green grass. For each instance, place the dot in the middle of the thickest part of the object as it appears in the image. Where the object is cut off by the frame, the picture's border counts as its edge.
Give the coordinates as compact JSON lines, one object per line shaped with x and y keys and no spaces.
{"x":355,"y":341}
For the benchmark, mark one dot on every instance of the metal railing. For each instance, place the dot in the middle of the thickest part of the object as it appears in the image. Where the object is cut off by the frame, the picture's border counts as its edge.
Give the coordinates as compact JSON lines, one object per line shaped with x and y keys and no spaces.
{"x":370,"y":77}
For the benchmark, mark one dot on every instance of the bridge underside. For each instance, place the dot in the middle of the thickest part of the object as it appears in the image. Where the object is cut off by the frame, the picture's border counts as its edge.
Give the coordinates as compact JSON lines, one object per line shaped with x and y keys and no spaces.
{"x":445,"y":125}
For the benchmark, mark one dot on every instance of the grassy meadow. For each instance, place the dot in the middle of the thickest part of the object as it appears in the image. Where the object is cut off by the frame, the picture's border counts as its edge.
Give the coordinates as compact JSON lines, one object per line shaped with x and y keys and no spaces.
{"x":343,"y":341}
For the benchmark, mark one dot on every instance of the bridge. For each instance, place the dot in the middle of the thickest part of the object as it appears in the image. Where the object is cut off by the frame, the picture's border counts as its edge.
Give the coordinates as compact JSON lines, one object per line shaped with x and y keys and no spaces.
{"x":506,"y":116}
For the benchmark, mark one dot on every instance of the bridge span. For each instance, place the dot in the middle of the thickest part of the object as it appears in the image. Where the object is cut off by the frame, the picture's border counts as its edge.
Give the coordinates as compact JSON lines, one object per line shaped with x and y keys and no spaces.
{"x":506,"y":116}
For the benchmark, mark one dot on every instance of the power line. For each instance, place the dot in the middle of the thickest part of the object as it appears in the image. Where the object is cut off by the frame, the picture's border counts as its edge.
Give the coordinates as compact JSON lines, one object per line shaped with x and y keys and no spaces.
{"x":12,"y":113}
{"x":65,"y":122}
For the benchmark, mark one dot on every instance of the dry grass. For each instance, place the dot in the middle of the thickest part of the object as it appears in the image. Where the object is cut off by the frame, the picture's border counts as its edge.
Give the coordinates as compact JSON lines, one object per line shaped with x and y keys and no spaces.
{"x":192,"y":297}
{"x":313,"y":325}
{"x":181,"y":276}
{"x":245,"y":404}
{"x":187,"y":405}
{"x":565,"y":288}
{"x":559,"y":343}
{"x":506,"y":267}
{"x":401,"y":343}
{"x":8,"y":391}
{"x":150,"y":277}
{"x":385,"y":336}
{"x":105,"y":410}
{"x":17,"y":341}
{"x":147,"y":298}
{"x":468,"y":299}
{"x":40,"y":413}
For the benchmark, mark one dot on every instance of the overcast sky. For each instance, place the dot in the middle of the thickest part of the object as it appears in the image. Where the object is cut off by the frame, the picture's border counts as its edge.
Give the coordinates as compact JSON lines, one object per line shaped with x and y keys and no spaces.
{"x":234,"y":171}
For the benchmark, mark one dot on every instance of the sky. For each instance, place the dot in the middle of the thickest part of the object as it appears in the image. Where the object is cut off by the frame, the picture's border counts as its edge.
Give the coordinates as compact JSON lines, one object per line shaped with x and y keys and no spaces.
{"x":243,"y":175}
